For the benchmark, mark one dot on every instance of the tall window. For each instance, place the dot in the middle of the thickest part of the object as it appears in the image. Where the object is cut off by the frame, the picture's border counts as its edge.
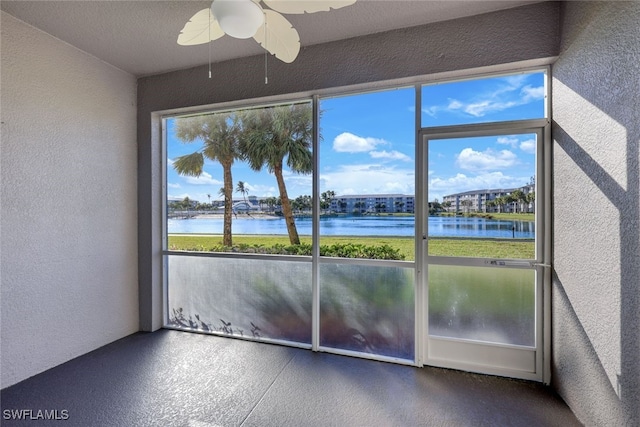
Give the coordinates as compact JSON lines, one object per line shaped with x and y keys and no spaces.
{"x":367,"y":185}
{"x":239,"y":182}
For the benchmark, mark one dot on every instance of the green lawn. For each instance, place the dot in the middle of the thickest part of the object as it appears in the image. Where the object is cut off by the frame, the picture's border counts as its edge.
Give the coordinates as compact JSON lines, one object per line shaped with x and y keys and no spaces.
{"x":485,"y":248}
{"x":515,"y":216}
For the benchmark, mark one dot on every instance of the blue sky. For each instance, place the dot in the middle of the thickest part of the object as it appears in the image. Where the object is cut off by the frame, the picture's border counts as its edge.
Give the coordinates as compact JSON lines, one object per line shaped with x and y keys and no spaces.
{"x":368,"y":143}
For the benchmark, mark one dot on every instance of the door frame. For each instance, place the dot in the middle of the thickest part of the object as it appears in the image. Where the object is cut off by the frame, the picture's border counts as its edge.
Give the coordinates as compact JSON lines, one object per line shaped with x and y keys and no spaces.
{"x":531,"y":363}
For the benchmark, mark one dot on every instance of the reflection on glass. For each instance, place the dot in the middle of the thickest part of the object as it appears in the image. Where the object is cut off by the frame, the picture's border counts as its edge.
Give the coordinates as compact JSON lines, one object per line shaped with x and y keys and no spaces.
{"x":494,"y":305}
{"x":242,"y":297}
{"x":482,"y":196}
{"x":367,"y":309}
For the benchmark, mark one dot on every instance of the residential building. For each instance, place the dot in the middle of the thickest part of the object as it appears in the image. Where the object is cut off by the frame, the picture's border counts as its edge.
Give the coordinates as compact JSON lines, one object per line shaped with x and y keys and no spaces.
{"x":373,"y":203}
{"x":486,"y":201}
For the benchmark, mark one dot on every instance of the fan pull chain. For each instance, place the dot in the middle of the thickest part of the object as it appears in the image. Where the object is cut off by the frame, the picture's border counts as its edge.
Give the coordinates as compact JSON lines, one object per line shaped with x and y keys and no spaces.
{"x":266,"y":79}
{"x":209,"y":42}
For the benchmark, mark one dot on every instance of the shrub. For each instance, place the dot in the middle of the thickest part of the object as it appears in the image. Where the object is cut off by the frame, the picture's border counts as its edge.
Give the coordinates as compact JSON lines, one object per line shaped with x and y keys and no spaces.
{"x":340,"y":250}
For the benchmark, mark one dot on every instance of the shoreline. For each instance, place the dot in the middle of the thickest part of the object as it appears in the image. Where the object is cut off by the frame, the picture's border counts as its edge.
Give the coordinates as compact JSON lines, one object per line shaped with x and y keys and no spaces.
{"x":527,"y":217}
{"x":236,"y":216}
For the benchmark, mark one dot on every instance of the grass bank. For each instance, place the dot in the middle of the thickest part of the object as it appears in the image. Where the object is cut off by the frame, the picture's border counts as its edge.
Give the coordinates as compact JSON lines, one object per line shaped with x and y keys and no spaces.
{"x":486,"y":248}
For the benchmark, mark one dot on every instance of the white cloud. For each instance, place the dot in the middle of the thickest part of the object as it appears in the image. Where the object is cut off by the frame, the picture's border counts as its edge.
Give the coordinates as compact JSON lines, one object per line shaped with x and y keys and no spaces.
{"x":513,"y":82}
{"x":349,"y":143}
{"x":528,"y":146}
{"x":391,"y":155}
{"x":431,"y":111}
{"x":259,"y":190}
{"x":172,"y":185}
{"x":507,"y":140}
{"x":532,"y":93}
{"x":179,"y":196}
{"x":476,"y":109}
{"x":454,"y":104}
{"x":479,"y":109}
{"x":510,"y":93}
{"x":204,"y":179}
{"x":368,"y":179}
{"x":469,"y":159}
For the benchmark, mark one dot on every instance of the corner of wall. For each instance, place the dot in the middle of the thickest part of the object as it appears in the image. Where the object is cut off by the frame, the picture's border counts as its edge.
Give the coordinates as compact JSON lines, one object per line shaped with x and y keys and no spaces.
{"x":596,"y":193}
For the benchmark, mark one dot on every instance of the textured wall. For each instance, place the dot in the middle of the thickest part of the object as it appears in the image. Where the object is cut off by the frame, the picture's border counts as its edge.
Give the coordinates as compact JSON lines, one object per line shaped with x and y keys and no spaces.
{"x":596,"y":130}
{"x":519,"y":34}
{"x":68,"y":215}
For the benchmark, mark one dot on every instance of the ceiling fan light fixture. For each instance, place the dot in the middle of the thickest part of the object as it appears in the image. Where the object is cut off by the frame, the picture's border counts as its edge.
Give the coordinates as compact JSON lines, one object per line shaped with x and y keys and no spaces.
{"x":238,"y":18}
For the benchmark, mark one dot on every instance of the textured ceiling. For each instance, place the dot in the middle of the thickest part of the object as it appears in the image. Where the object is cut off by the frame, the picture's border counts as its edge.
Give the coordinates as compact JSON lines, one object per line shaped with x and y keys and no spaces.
{"x":140,"y":36}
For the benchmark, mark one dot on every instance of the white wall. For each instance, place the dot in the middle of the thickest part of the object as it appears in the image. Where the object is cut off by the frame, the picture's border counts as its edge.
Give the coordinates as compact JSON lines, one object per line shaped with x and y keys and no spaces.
{"x":68,"y":215}
{"x":596,"y":291}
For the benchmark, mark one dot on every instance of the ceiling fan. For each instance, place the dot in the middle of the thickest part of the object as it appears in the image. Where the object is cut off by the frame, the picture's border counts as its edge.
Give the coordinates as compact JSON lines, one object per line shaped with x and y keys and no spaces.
{"x":244,"y":19}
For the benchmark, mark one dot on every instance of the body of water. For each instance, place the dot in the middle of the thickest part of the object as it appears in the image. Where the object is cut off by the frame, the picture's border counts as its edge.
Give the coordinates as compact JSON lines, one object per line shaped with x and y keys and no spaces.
{"x":362,"y":226}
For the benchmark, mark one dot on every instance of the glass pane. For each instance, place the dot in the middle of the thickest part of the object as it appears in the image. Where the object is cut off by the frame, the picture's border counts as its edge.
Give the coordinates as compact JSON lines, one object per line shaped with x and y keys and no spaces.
{"x":482,"y":303}
{"x":367,"y":309}
{"x":367,"y":176}
{"x":482,"y":196}
{"x":240,"y":181}
{"x":495,"y":99}
{"x":242,"y":297}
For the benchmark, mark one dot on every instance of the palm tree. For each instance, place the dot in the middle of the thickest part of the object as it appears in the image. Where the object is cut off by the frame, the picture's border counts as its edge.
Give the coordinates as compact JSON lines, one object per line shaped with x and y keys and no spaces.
{"x":241,"y":188}
{"x":219,"y":134}
{"x":531,"y":197}
{"x":271,"y":203}
{"x":518,"y":197}
{"x":466,"y":203}
{"x":221,"y":196}
{"x":325,"y":199}
{"x":379,"y":207}
{"x":186,"y":203}
{"x":508,"y":199}
{"x":276,"y":136}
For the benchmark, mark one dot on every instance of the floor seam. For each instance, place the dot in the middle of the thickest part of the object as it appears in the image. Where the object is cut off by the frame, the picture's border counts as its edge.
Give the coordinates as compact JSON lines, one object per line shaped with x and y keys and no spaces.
{"x":266,"y":391}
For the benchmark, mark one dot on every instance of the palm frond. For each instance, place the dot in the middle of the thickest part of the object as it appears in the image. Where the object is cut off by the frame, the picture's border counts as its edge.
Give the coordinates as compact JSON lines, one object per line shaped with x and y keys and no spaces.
{"x":189,"y":164}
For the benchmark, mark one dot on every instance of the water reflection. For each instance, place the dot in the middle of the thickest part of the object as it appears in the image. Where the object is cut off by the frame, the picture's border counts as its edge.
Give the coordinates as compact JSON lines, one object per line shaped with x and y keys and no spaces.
{"x":362,"y":226}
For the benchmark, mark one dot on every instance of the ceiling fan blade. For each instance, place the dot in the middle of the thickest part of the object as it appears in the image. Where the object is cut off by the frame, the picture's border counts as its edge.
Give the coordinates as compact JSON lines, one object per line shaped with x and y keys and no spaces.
{"x":306,"y":6}
{"x":201,"y":28}
{"x":282,"y":40}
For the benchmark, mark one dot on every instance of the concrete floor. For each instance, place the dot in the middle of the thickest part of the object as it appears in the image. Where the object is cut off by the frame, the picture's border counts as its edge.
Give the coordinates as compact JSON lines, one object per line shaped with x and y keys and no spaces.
{"x":171,"y":378}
